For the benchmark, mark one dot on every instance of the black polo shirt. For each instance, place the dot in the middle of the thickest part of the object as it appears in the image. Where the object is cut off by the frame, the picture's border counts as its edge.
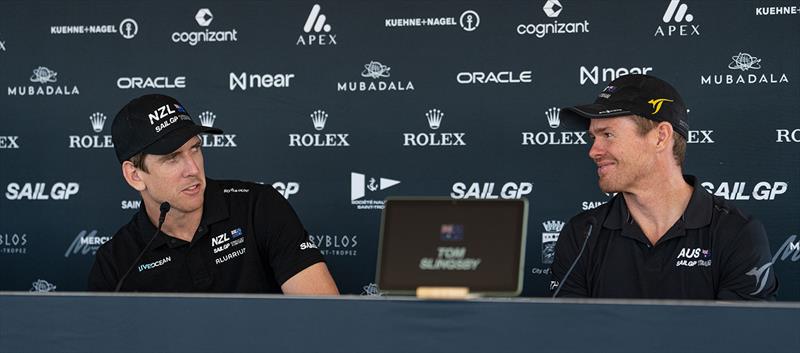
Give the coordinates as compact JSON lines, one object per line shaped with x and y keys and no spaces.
{"x":249,"y":241}
{"x":714,"y":251}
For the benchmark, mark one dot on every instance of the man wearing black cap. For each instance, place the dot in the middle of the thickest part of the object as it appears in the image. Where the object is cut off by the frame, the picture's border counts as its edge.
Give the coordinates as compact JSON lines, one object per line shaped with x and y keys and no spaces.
{"x":196,"y":234}
{"x":662,"y":235}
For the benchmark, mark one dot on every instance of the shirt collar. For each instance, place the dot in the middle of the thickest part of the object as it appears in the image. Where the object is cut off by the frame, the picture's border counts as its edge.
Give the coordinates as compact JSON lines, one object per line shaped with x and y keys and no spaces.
{"x":696,"y":215}
{"x":214,"y":210}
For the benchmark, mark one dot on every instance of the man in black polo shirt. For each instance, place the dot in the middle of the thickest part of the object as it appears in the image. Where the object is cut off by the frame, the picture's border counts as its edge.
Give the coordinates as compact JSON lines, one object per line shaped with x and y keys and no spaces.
{"x":217,"y":236}
{"x":662,"y":235}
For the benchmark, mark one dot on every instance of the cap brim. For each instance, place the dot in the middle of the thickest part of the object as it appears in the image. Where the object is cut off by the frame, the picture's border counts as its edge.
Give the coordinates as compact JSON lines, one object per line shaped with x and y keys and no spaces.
{"x":175,"y":139}
{"x":579,"y":116}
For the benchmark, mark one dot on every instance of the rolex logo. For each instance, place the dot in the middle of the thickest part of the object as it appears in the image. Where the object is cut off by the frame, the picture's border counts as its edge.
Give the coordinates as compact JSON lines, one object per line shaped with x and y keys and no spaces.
{"x":319,"y":117}
{"x":434,"y":118}
{"x":207,"y":118}
{"x":98,"y":121}
{"x":553,"y":226}
{"x":553,"y":117}
{"x":656,"y":103}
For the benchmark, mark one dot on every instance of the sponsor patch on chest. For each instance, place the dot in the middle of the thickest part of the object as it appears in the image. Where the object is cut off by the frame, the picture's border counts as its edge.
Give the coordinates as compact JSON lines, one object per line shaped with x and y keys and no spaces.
{"x":691,"y":257}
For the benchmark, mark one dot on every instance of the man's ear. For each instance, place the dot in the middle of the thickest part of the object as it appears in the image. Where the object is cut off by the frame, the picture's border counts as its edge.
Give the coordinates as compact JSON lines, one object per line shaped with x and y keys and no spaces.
{"x":664,"y":134}
{"x":132,"y":176}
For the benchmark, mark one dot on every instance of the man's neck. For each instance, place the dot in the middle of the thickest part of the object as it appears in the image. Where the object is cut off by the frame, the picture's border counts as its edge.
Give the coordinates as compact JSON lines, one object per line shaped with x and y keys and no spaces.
{"x":177,"y":224}
{"x":658,"y":203}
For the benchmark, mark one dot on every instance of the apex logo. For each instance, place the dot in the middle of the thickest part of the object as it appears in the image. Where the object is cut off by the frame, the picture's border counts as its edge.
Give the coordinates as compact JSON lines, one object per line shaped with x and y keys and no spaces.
{"x":608,"y":73}
{"x":2,"y":45}
{"x":208,"y":119}
{"x":318,"y":118}
{"x":315,"y":24}
{"x":509,"y":190}
{"x":39,"y":191}
{"x":677,"y":12}
{"x":700,"y":136}
{"x":434,"y":117}
{"x":553,"y":138}
{"x":97,"y":120}
{"x":656,"y":103}
{"x":738,"y":190}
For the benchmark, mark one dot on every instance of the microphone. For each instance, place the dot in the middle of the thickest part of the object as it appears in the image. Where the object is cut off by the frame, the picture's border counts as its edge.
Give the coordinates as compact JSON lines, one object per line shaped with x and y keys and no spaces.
{"x":165,"y":206}
{"x":590,"y":225}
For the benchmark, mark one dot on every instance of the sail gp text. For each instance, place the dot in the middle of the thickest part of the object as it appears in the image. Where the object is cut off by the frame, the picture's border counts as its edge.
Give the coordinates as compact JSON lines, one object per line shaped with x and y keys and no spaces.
{"x":164,"y":124}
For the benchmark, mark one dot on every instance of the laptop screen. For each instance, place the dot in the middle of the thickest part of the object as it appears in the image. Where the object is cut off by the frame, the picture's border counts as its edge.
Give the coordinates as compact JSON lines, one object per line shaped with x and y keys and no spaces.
{"x":430,"y":242}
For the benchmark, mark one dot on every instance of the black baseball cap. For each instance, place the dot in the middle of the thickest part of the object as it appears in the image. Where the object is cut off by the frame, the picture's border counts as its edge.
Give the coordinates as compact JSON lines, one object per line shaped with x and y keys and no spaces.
{"x":153,"y":124}
{"x":646,"y":96}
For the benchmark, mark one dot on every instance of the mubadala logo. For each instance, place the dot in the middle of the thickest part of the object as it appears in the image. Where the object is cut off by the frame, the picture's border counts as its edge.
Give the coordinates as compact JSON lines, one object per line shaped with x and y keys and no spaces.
{"x":377,"y":72}
{"x":469,"y":21}
{"x":86,"y":242}
{"x":317,"y":31}
{"x":677,"y":12}
{"x":777,"y":10}
{"x":318,"y":118}
{"x":128,"y":29}
{"x":551,"y":137}
{"x":160,"y":82}
{"x":335,"y":245}
{"x":744,"y":62}
{"x":13,"y":243}
{"x":499,"y":77}
{"x":43,"y":76}
{"x":359,"y":186}
{"x":9,"y":142}
{"x":784,"y":135}
{"x":40,"y":191}
{"x":243,"y":81}
{"x":738,"y":190}
{"x":42,"y":286}
{"x":434,"y":117}
{"x":203,"y":17}
{"x":549,"y":238}
{"x":477,"y":190}
{"x":607,"y":74}
{"x":207,"y":119}
{"x":553,"y":9}
{"x":98,"y":120}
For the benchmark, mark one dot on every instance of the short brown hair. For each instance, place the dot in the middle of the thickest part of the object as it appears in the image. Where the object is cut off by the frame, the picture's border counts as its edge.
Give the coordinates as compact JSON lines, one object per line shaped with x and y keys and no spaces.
{"x":138,"y":161}
{"x":679,"y":146}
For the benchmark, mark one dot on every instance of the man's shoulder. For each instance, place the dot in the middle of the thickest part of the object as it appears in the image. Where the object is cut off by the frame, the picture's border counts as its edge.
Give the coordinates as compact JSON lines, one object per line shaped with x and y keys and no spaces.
{"x":125,"y":238}
{"x":728,"y":217}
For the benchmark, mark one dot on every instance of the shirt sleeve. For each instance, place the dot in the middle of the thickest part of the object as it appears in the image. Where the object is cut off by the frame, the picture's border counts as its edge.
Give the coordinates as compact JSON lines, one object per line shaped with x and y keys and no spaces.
{"x":747,"y":271}
{"x":289,"y":249}
{"x":102,"y":277}
{"x":567,"y":248}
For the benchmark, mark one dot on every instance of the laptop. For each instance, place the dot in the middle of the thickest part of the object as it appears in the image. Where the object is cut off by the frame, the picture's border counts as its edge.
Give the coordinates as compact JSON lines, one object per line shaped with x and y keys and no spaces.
{"x":441,"y":242}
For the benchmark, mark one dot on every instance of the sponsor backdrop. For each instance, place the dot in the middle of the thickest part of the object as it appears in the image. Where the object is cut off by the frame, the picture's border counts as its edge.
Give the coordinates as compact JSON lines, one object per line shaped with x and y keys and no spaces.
{"x":339,"y":104}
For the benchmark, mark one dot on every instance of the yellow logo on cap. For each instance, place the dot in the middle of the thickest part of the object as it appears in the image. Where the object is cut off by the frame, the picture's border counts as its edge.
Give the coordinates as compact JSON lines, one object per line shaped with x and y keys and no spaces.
{"x":656,"y":103}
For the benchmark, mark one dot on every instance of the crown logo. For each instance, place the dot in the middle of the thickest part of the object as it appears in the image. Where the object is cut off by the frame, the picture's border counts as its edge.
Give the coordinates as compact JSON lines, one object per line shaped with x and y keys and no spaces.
{"x":207,"y":118}
{"x":98,"y":120}
{"x":553,"y":226}
{"x":434,"y":118}
{"x":553,"y":117}
{"x":319,"y":117}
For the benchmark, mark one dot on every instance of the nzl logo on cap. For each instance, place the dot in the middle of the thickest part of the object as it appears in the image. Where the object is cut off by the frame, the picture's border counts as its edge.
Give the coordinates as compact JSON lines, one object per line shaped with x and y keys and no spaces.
{"x":165,"y":111}
{"x":656,"y":103}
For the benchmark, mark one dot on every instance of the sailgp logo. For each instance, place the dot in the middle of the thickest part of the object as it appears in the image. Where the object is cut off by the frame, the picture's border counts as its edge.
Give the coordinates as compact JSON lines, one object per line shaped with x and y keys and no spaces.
{"x":656,"y":103}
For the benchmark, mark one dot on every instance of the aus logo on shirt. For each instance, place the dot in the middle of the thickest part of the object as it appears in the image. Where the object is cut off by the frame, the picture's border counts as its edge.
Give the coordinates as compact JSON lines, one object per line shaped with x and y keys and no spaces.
{"x":691,"y":257}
